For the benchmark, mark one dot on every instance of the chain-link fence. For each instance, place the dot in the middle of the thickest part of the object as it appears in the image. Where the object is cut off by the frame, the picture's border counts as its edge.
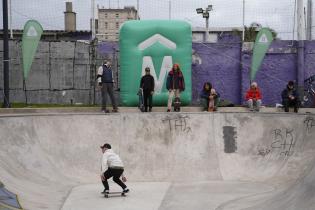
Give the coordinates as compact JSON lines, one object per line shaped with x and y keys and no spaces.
{"x":278,"y":15}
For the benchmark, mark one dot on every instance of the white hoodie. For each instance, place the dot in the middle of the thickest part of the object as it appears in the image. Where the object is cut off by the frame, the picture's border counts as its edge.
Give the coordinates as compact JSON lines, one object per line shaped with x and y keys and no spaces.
{"x":110,"y":159}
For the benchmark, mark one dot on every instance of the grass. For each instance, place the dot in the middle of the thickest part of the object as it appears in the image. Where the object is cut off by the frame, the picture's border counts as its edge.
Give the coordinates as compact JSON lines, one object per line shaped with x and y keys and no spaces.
{"x":23,"y":105}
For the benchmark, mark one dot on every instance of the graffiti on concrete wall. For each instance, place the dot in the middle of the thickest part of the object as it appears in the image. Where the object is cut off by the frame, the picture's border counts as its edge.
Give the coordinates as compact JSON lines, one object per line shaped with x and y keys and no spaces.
{"x":178,"y":123}
{"x":283,"y":143}
{"x":263,"y":151}
{"x":309,"y":123}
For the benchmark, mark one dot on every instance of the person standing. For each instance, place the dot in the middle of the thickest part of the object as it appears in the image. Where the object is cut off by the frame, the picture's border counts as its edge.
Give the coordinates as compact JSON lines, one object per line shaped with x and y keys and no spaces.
{"x":105,"y":80}
{"x":253,"y":97}
{"x":290,"y":97}
{"x":175,"y":84}
{"x":147,"y":85}
{"x":112,"y":166}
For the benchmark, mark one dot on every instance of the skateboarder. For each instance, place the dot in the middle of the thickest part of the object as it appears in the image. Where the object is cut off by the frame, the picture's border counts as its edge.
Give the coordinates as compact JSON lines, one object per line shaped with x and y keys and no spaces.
{"x":112,"y":166}
{"x":147,"y":85}
{"x":175,"y":84}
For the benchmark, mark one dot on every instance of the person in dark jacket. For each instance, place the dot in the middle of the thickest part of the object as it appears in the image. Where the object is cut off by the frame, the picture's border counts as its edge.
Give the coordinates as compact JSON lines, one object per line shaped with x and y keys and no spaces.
{"x":290,"y":97}
{"x":105,"y":81}
{"x":147,"y":85}
{"x":175,"y":84}
{"x":207,"y":97}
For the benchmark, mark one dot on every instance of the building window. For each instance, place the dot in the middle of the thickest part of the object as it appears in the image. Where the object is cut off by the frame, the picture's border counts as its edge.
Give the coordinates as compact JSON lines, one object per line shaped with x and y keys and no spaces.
{"x":117,"y":15}
{"x":117,"y":25}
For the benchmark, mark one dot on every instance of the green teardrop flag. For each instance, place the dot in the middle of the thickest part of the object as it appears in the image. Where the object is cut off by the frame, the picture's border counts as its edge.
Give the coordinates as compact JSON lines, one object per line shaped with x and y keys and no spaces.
{"x":262,"y":43}
{"x":31,"y":36}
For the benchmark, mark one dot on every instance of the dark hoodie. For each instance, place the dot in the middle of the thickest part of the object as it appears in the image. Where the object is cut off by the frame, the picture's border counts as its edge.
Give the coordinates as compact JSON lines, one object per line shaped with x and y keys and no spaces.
{"x":287,"y":92}
{"x":147,"y":83}
{"x":206,"y":93}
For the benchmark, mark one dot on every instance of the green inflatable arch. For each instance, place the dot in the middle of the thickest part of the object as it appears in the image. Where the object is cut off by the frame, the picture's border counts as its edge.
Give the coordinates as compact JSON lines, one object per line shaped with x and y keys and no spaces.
{"x":157,"y":44}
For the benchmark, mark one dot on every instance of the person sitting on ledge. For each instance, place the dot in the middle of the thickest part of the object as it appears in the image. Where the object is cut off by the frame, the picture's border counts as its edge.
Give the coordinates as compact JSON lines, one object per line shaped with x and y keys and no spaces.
{"x":253,"y":97}
{"x":290,"y":97}
{"x":209,"y":97}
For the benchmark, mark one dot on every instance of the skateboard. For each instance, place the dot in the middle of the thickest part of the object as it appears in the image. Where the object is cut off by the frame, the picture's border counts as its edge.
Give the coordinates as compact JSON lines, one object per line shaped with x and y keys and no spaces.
{"x":110,"y":194}
{"x":211,"y":106}
{"x":177,"y":104}
{"x":141,"y":100}
{"x":210,"y":109}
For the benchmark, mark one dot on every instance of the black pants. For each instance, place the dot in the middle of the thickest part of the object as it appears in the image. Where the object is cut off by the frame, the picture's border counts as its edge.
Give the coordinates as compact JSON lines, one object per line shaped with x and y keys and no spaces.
{"x":290,"y":103}
{"x":107,"y":88}
{"x":116,"y":174}
{"x":147,"y":97}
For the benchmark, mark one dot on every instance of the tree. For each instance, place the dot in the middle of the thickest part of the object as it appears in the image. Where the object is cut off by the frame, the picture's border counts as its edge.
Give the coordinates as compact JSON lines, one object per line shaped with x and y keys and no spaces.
{"x":252,"y":31}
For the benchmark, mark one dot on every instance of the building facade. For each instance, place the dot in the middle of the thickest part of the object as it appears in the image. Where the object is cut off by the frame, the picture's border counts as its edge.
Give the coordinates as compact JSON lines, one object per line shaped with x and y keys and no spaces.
{"x":110,"y":20}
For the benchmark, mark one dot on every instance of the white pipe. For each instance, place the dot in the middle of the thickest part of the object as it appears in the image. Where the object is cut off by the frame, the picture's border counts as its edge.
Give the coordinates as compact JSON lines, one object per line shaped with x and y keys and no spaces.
{"x":169,"y":10}
{"x":309,"y":19}
{"x":138,"y":17}
{"x":243,"y":36}
{"x":93,"y":18}
{"x":301,"y":20}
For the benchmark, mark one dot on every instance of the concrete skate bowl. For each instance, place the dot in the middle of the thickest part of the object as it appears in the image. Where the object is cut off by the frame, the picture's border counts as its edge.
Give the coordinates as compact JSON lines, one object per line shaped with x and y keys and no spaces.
{"x":173,"y":161}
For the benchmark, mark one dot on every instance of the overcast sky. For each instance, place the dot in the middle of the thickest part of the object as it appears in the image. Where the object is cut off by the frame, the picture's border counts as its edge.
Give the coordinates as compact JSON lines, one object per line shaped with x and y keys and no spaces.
{"x":277,"y":14}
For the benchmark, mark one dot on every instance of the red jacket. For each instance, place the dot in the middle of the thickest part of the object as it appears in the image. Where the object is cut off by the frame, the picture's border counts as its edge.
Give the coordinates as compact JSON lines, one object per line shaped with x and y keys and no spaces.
{"x":253,"y":94}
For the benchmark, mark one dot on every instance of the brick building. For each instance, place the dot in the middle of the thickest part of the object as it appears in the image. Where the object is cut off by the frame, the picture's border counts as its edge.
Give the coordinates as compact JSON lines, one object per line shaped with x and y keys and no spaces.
{"x":110,"y":20}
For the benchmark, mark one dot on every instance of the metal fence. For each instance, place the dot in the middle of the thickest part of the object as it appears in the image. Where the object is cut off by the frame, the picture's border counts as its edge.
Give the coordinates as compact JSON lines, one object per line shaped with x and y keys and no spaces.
{"x":279,"y":15}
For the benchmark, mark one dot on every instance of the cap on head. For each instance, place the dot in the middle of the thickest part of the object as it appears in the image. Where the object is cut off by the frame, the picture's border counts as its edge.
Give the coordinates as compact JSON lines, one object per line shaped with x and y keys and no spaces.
{"x":106,"y":146}
{"x":254,"y":84}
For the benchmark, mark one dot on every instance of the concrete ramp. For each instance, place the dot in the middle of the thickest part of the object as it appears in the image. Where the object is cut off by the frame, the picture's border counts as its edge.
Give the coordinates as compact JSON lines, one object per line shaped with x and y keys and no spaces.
{"x":172,"y":160}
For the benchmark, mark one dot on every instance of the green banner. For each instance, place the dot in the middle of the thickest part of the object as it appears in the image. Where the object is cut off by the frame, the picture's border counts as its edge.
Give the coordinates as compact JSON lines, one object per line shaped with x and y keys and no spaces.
{"x":31,"y":36}
{"x":262,"y":43}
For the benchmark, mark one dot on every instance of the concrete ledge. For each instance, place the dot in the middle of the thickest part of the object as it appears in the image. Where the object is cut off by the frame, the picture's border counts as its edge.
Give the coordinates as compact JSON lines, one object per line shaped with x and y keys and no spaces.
{"x":136,"y":110}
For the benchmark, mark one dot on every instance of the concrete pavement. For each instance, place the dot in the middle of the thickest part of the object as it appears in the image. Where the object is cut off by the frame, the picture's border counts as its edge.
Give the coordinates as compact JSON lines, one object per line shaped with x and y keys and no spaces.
{"x":172,"y":160}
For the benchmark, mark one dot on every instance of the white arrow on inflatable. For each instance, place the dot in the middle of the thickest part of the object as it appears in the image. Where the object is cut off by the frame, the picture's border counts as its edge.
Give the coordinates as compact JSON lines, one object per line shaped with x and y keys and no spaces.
{"x":157,"y":38}
{"x":167,"y":62}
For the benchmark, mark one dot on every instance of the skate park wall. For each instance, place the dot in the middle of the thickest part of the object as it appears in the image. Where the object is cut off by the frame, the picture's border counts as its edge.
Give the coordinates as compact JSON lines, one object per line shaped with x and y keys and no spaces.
{"x":43,"y":156}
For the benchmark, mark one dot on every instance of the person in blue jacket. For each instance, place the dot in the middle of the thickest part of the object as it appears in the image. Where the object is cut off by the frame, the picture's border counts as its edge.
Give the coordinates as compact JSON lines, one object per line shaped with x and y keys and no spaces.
{"x":208,"y":96}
